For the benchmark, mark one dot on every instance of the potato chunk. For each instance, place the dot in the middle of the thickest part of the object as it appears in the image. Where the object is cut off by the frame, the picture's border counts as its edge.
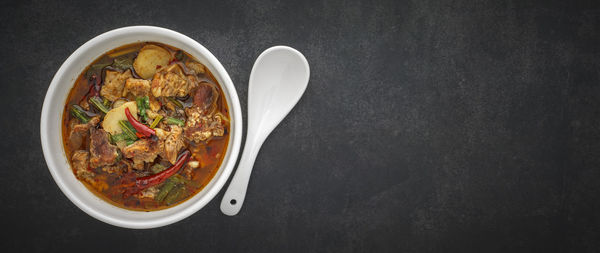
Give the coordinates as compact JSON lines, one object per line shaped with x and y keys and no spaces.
{"x":112,"y":118}
{"x":150,"y":58}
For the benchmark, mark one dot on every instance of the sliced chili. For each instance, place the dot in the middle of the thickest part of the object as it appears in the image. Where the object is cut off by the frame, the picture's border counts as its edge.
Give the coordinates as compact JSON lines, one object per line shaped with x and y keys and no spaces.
{"x":139,"y":127}
{"x":96,"y":84}
{"x":95,"y":87}
{"x":147,"y":181}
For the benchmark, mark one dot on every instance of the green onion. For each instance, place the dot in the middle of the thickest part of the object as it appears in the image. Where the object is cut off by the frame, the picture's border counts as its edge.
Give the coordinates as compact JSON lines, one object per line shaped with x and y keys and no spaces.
{"x":174,"y":195}
{"x":186,"y":181}
{"x":141,"y":105}
{"x":174,"y":121}
{"x":179,"y":55}
{"x":99,"y":104}
{"x":121,"y":137}
{"x":175,"y":101}
{"x":179,"y":179}
{"x":156,"y":168}
{"x":77,"y":112}
{"x":106,"y":102}
{"x":114,"y":138}
{"x":128,"y":129}
{"x":156,"y":120}
{"x":164,"y":190}
{"x":174,"y":189}
{"x":122,"y":63}
{"x":94,"y":68}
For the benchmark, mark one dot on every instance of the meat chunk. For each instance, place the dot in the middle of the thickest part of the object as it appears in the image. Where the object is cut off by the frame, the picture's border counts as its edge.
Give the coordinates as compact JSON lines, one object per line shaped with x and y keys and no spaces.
{"x":173,"y":143}
{"x":137,"y":87}
{"x":149,"y":192}
{"x":194,"y":115}
{"x":206,"y":96}
{"x":195,"y":67}
{"x":151,"y":114}
{"x":171,"y":81}
{"x":154,"y":105}
{"x":188,"y":171}
{"x":80,"y":132}
{"x":80,"y":161}
{"x":118,"y":168}
{"x":143,"y":150}
{"x":161,"y":134}
{"x":114,"y":82}
{"x":103,"y":153}
{"x":84,"y":104}
{"x":200,"y":127}
{"x":170,"y":142}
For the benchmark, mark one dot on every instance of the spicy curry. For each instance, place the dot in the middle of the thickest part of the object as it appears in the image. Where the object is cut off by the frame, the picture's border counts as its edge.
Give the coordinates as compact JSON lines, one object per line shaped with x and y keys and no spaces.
{"x":145,"y":126}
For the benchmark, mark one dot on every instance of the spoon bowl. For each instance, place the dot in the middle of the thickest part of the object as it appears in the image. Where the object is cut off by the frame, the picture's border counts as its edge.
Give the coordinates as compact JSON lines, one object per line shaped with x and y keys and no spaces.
{"x":277,"y":81}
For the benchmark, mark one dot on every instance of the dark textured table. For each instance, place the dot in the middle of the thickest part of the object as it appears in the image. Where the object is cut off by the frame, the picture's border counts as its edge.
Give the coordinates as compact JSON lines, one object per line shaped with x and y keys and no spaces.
{"x":427,"y":126}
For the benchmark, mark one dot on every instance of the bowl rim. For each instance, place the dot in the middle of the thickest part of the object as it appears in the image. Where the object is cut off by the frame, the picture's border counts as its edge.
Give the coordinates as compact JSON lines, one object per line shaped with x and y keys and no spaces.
{"x":226,"y":166}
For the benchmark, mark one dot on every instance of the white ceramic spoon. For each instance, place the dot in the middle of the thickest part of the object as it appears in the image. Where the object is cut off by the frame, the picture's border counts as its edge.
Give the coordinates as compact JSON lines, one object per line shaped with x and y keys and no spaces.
{"x":277,"y":81}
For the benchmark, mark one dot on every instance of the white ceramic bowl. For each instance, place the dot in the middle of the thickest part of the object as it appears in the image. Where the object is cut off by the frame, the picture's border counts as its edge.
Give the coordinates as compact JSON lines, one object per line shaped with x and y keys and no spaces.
{"x":50,"y":128}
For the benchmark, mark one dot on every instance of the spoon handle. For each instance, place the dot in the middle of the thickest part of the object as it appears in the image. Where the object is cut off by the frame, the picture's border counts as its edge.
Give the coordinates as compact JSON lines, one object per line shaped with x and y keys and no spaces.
{"x":236,"y":192}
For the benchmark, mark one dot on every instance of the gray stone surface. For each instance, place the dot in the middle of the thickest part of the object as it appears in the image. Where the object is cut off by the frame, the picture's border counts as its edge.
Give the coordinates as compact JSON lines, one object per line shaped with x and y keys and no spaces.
{"x":427,"y":126}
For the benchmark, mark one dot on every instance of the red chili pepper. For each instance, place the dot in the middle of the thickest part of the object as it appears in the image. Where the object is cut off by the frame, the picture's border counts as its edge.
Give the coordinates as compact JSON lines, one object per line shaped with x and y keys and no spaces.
{"x":139,"y":127}
{"x":147,"y":181}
